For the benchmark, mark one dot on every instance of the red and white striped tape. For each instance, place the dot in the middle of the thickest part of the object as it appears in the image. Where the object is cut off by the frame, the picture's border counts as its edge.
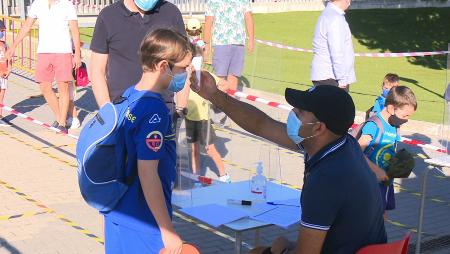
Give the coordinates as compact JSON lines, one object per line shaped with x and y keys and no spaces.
{"x":404,"y":54}
{"x":45,"y":125}
{"x":202,"y":179}
{"x":288,"y":107}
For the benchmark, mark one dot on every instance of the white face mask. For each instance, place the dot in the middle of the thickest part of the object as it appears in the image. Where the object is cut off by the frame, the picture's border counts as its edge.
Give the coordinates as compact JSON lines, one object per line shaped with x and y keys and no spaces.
{"x":293,"y":128}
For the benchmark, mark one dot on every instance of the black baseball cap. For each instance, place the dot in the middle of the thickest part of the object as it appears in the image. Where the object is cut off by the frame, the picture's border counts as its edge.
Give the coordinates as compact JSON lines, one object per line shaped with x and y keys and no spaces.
{"x":330,"y":104}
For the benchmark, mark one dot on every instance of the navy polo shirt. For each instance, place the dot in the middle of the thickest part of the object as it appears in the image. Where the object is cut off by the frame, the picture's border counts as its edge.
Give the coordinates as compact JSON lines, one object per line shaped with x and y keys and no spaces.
{"x":119,"y":33}
{"x":341,"y":195}
{"x":148,"y":136}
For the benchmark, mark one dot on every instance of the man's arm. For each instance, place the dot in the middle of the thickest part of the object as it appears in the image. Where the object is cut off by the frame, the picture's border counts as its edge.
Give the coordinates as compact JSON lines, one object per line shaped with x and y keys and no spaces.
{"x":209,"y":21}
{"x":73,"y":25}
{"x":98,"y":78}
{"x":245,"y":115}
{"x":310,"y":241}
{"x":249,"y":25}
{"x":22,"y":33}
{"x":336,"y":42}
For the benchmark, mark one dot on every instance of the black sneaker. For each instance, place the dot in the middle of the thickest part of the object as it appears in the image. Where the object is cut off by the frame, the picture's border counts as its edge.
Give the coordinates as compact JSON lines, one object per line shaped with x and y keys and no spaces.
{"x":55,"y":124}
{"x":62,"y":129}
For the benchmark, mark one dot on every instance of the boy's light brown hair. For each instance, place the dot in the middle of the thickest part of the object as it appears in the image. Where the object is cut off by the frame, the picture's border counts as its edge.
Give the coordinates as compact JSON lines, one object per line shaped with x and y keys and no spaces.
{"x":164,"y":44}
{"x":392,"y":78}
{"x":400,"y":96}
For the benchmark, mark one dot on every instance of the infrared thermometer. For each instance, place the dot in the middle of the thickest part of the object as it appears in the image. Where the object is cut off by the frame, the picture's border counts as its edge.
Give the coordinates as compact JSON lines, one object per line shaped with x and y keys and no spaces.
{"x":197,"y":63}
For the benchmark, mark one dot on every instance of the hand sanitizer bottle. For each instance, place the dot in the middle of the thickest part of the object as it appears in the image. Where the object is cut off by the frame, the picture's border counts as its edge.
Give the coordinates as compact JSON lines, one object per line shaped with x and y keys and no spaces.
{"x":259,"y":183}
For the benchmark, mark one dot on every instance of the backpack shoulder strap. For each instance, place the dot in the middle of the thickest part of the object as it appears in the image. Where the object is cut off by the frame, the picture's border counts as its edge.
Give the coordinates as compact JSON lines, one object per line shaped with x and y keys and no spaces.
{"x":377,"y":139}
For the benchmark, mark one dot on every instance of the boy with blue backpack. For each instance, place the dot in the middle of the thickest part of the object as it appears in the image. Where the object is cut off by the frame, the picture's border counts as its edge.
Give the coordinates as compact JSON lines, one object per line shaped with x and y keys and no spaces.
{"x":390,"y":80}
{"x":128,"y":171}
{"x":378,"y":137}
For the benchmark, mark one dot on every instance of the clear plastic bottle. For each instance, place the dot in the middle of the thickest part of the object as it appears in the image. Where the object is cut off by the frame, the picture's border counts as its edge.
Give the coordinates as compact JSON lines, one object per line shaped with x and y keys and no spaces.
{"x":259,"y":183}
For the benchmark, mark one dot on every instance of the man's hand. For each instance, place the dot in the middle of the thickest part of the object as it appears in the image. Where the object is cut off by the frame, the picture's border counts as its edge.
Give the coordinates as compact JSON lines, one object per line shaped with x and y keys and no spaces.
{"x":280,"y":244}
{"x":207,"y":88}
{"x":76,"y":63}
{"x":172,"y":243}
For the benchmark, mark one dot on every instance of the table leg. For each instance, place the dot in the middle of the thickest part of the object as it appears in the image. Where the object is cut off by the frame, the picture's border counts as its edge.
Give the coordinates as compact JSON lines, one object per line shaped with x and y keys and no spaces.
{"x":422,"y":208}
{"x":238,"y":242}
{"x":257,"y":235}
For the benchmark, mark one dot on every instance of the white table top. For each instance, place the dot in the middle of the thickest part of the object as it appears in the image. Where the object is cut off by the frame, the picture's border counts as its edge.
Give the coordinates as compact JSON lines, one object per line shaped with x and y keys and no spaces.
{"x":220,"y":193}
{"x":441,"y":161}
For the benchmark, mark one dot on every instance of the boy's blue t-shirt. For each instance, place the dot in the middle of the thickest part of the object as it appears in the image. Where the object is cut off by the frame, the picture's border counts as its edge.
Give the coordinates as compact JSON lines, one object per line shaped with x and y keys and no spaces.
{"x":378,"y":106}
{"x":148,"y":136}
{"x":388,"y":142}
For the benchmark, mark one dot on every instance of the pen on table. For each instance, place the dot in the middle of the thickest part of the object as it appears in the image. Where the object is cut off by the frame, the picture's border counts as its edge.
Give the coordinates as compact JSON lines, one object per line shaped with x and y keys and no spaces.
{"x":239,"y":202}
{"x":273,"y":203}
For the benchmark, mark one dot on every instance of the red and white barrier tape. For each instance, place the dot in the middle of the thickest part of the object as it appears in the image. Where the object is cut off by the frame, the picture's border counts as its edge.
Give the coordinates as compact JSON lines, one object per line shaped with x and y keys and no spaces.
{"x":202,"y":179}
{"x":288,"y":107}
{"x":383,"y":55}
{"x":45,"y":125}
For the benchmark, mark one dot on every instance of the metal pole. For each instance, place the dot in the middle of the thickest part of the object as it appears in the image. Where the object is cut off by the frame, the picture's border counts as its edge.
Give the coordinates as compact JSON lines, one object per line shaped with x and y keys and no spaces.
{"x":422,"y":208}
{"x":238,"y":242}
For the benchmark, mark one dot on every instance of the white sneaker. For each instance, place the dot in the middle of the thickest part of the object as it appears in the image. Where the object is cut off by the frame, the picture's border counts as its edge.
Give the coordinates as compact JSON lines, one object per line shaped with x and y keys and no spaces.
{"x":75,"y":124}
{"x":225,"y":178}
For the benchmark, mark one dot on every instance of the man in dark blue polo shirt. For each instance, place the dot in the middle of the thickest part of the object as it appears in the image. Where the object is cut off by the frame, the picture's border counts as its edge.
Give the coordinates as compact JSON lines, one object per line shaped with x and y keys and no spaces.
{"x":341,"y":205}
{"x":118,"y":33}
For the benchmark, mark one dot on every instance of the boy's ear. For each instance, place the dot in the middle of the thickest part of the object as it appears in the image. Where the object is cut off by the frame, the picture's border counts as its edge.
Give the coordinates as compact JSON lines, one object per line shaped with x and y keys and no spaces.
{"x":162,"y":65}
{"x":390,"y":109}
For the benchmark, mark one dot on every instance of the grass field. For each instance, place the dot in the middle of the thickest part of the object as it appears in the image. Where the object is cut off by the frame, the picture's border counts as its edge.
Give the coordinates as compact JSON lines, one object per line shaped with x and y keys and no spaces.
{"x":403,"y":30}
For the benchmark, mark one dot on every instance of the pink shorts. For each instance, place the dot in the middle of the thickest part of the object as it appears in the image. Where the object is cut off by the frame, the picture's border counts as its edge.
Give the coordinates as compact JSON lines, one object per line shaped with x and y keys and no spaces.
{"x":54,"y":67}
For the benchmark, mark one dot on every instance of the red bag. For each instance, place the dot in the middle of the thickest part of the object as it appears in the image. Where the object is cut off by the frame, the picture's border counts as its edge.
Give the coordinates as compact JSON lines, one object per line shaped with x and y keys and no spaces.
{"x":82,"y":78}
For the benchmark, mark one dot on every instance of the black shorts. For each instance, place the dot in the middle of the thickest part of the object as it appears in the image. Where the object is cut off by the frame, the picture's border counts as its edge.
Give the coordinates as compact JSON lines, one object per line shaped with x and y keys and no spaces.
{"x":196,"y":131}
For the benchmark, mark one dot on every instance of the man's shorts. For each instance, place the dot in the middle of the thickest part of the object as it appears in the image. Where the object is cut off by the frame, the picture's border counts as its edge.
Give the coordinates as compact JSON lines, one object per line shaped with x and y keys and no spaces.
{"x":54,"y":67}
{"x":388,"y":197}
{"x":196,"y":131}
{"x":123,"y":240}
{"x":3,"y":83}
{"x":228,"y":60}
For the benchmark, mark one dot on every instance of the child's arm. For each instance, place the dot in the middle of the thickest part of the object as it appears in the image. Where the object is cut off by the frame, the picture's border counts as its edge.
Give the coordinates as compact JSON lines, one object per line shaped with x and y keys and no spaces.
{"x":153,"y":192}
{"x":364,"y":142}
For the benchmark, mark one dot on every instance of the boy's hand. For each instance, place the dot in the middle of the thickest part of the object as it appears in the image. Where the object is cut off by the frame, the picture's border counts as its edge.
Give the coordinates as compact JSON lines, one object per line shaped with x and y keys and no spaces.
{"x":76,"y":62}
{"x":9,"y":54}
{"x":172,"y":243}
{"x":381,"y":175}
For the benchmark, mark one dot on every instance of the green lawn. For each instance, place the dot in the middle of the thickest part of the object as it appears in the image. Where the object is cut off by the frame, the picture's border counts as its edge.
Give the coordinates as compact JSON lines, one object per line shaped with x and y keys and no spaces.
{"x":426,"y":29}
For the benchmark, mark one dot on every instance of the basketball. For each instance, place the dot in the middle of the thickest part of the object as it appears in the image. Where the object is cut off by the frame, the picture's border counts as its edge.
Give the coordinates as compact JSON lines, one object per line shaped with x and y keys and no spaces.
{"x":186,"y":249}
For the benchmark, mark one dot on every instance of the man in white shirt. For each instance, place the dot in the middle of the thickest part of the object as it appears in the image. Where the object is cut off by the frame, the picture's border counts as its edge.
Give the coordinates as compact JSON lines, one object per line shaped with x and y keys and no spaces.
{"x":57,"y":22}
{"x":334,"y":58}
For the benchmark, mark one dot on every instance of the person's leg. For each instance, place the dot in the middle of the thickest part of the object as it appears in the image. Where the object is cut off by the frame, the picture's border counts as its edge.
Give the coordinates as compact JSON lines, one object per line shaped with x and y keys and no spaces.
{"x":221,"y":64}
{"x":215,"y":156}
{"x":2,"y":96}
{"x":63,"y":75}
{"x":195,"y":158}
{"x":236,"y":66}
{"x":51,"y":99}
{"x":45,"y":75}
{"x":63,"y":102}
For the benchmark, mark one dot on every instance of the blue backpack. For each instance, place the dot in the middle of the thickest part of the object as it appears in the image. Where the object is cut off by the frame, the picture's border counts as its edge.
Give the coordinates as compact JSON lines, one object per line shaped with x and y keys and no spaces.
{"x":102,"y":156}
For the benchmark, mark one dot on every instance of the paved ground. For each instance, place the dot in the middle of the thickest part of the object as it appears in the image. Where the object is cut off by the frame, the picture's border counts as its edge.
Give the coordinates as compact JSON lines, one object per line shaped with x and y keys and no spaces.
{"x":41,"y":210}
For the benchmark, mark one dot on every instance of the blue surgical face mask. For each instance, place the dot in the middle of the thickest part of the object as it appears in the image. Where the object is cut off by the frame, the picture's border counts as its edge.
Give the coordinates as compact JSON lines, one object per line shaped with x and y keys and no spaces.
{"x":178,"y":81}
{"x":385,"y":92}
{"x":2,"y":34}
{"x":293,"y":128}
{"x":146,"y":5}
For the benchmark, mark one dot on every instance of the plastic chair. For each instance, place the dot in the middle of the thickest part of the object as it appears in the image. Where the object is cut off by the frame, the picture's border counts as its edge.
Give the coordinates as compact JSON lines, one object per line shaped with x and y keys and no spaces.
{"x":398,"y":247}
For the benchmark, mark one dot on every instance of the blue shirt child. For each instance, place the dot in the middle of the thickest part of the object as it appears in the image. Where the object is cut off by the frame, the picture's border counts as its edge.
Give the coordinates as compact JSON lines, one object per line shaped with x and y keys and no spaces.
{"x":149,"y":136}
{"x":383,"y":153}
